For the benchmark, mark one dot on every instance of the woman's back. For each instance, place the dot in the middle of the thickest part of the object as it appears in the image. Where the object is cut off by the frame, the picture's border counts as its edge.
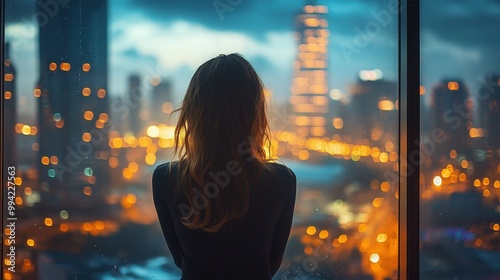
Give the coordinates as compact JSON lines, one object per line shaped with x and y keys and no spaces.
{"x":224,"y":209}
{"x":248,"y":248}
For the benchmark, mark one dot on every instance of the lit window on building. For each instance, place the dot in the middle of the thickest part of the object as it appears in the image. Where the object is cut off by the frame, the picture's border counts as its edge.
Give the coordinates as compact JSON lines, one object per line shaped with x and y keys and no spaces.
{"x":65,"y":66}
{"x":86,"y":67}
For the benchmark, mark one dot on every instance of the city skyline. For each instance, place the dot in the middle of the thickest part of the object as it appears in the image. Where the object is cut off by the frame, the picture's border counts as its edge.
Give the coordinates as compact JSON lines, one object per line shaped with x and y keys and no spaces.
{"x":272,"y":43}
{"x":347,"y":163}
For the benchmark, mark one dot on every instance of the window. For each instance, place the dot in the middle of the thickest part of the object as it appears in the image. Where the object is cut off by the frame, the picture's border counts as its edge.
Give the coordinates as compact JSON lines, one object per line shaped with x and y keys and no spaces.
{"x":386,"y":189}
{"x":460,"y":175}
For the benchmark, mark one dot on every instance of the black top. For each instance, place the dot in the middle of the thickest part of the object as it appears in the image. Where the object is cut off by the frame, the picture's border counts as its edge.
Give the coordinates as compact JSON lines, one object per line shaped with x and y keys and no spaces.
{"x":249,"y":248}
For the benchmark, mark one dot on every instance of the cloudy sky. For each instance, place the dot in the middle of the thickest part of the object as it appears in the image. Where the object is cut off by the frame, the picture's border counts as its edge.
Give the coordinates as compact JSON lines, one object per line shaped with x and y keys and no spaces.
{"x":172,"y":38}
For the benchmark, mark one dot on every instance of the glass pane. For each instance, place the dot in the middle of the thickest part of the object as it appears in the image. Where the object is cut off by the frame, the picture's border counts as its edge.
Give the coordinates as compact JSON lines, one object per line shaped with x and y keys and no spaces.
{"x":89,"y":91}
{"x":460,"y":176}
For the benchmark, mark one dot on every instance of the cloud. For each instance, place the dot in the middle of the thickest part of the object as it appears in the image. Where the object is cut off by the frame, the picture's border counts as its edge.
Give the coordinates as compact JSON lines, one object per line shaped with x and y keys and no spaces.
{"x":189,"y":44}
{"x":20,"y":34}
{"x":179,"y":48}
{"x":432,"y":44}
{"x":250,"y":17}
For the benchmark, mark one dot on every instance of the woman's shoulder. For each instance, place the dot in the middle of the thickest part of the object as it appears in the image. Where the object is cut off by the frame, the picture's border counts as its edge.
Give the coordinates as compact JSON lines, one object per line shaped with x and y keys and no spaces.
{"x":281,"y":169}
{"x":164,"y":172}
{"x":283,"y":173}
{"x":166,"y":167}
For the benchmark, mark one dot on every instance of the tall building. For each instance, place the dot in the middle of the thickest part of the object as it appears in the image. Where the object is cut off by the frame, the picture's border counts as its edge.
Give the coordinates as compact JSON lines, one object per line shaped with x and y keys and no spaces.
{"x":371,"y":115}
{"x":134,"y":95}
{"x":10,"y":112}
{"x":489,"y":115}
{"x":490,"y":111}
{"x":73,"y":106}
{"x":161,"y":103}
{"x":310,"y":82}
{"x":118,"y":114}
{"x":450,"y":111}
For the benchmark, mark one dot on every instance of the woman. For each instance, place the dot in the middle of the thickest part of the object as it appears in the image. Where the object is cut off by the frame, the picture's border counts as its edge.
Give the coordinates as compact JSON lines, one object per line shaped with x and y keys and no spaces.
{"x":224,"y":208}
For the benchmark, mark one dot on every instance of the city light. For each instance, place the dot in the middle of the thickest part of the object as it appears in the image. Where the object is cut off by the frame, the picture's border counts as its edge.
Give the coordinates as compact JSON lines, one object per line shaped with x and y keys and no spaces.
{"x":370,"y":75}
{"x":437,"y":181}
{"x":87,"y":190}
{"x":63,"y":227}
{"x":64,"y":214}
{"x":88,"y":115}
{"x":381,"y":237}
{"x":323,"y":234}
{"x":311,"y":230}
{"x":342,"y":238}
{"x":48,"y":222}
{"x":86,"y":91}
{"x":30,"y":242}
{"x":52,"y":66}
{"x":101,"y":93}
{"x":153,"y":131}
{"x":86,"y":67}
{"x":343,"y":142}
{"x":453,"y":86}
{"x":8,"y":77}
{"x":386,"y":105}
{"x":422,"y":90}
{"x":374,"y":258}
{"x":65,"y":66}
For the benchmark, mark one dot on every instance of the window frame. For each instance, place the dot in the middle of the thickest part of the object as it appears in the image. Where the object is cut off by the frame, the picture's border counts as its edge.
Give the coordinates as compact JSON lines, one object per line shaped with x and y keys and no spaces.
{"x":409,"y":139}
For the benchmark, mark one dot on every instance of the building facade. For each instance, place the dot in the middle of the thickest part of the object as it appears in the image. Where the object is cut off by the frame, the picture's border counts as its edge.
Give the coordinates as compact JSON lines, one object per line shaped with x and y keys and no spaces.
{"x":73,"y":110}
{"x":309,"y":88}
{"x":10,"y":112}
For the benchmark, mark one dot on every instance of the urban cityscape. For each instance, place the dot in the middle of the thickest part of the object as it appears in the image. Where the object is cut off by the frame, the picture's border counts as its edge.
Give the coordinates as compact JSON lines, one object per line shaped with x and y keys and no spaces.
{"x":84,"y":160}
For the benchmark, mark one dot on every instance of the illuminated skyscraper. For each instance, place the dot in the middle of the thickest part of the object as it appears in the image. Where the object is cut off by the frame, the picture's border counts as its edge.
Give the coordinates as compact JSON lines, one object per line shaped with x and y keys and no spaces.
{"x":73,"y":105}
{"x":372,"y":111}
{"x":310,"y":83}
{"x":451,"y":112}
{"x":10,"y":111}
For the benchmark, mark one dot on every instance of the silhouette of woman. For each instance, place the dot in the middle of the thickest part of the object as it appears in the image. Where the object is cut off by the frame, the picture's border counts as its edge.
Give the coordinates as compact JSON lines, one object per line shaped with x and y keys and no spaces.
{"x":224,"y":207}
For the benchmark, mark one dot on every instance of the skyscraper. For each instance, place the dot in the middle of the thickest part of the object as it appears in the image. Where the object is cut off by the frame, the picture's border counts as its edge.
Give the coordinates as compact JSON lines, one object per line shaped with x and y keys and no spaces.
{"x":371,"y":113}
{"x":489,"y":115}
{"x":310,"y":83}
{"x":451,"y":112}
{"x":73,"y":105}
{"x":9,"y":114}
{"x":161,"y":103}
{"x":134,"y":95}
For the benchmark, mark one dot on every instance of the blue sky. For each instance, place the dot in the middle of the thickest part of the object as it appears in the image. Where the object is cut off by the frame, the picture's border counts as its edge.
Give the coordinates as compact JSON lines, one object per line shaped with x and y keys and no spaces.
{"x":172,"y":38}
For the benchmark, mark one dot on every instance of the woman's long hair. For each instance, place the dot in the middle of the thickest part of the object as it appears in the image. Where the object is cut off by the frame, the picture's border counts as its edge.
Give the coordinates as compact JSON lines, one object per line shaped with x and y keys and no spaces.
{"x":221,"y":131}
